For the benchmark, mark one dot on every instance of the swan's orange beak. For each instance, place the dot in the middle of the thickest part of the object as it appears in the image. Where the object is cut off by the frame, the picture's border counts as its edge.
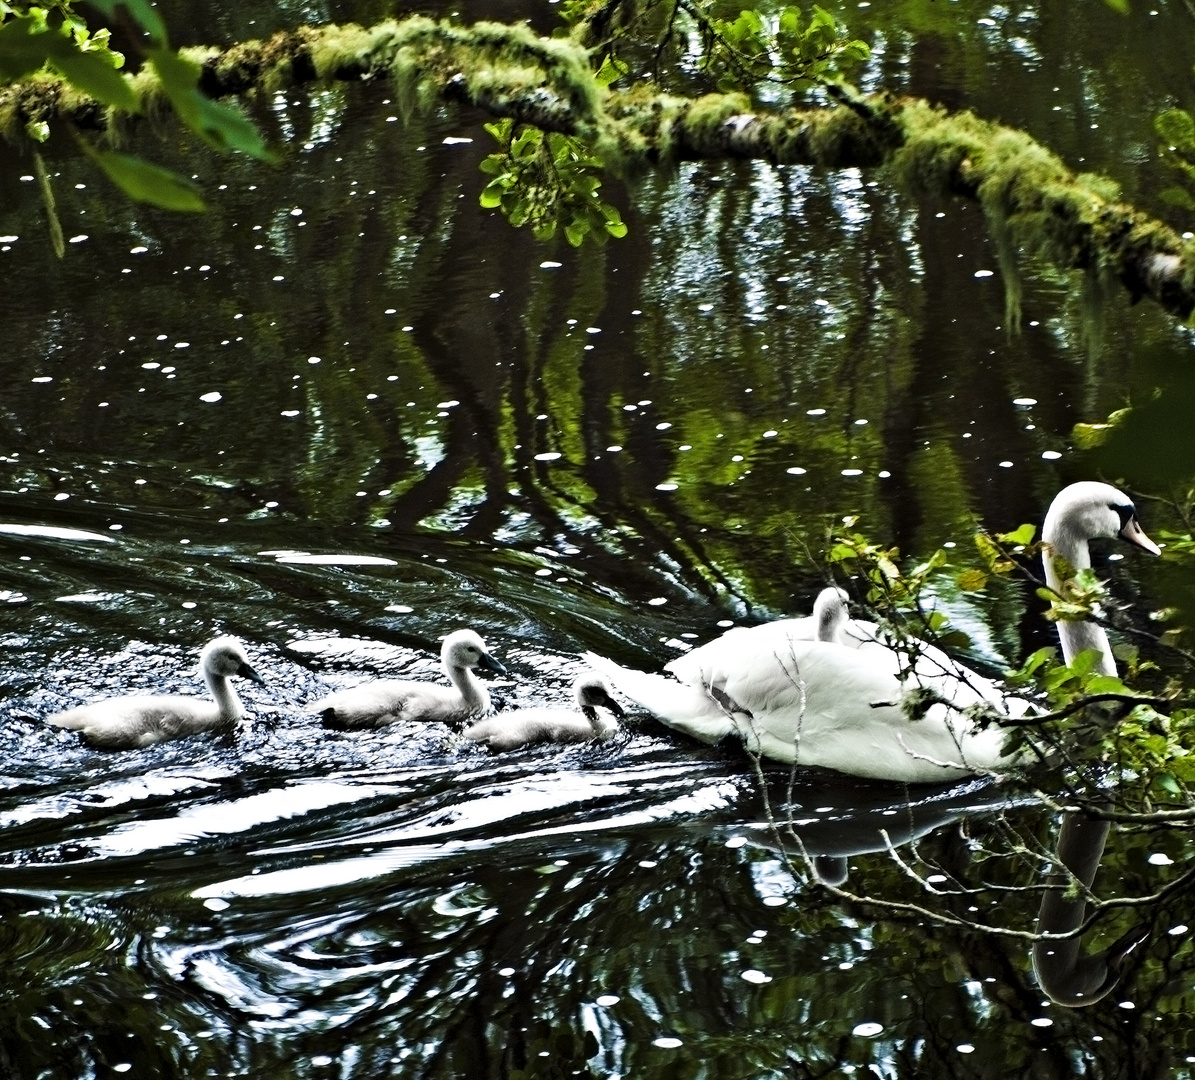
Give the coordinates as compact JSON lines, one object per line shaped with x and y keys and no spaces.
{"x":1135,"y":535}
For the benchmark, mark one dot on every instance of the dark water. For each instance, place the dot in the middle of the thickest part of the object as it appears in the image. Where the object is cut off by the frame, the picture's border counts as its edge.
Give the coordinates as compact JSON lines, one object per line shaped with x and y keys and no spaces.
{"x":348,"y":405}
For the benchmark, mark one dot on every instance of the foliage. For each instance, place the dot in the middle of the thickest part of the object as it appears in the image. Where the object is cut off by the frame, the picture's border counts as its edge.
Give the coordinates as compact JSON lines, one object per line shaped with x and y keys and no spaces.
{"x":1176,"y":129}
{"x":753,"y":48}
{"x":54,"y":39}
{"x":1141,"y":725}
{"x":544,"y":180}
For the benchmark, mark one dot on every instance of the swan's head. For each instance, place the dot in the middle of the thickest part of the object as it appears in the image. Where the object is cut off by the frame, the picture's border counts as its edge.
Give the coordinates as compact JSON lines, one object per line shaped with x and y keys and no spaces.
{"x":465,"y":649}
{"x":830,"y":613}
{"x":592,"y":691}
{"x":225,"y":656}
{"x":1089,"y":509}
{"x":1091,"y":977}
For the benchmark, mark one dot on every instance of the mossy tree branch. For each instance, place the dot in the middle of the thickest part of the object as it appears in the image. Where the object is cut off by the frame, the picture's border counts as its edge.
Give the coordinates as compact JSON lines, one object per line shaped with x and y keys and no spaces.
{"x":1032,"y":200}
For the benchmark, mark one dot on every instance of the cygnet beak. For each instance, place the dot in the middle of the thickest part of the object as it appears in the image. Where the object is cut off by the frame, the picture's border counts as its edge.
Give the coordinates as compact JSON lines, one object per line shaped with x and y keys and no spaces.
{"x":490,"y":664}
{"x":246,"y":672}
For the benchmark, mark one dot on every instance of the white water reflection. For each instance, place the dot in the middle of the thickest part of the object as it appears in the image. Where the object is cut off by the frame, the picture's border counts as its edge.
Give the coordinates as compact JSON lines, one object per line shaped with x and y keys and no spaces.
{"x":53,"y":532}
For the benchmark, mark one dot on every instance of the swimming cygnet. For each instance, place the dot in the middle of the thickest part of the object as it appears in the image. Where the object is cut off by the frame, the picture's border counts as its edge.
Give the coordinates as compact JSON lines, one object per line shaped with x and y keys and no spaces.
{"x":126,"y":723}
{"x":525,"y":727}
{"x":385,"y":701}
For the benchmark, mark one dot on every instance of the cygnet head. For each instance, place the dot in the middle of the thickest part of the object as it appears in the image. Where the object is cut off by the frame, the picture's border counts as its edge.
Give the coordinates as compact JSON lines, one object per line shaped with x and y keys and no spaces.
{"x":1090,"y":509}
{"x":465,"y":649}
{"x":224,"y":657}
{"x":830,"y":613}
{"x":592,"y":691}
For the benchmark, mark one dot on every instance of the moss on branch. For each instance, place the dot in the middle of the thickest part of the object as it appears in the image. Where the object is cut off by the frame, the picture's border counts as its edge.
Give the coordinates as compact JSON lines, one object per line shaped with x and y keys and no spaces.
{"x":1032,"y":200}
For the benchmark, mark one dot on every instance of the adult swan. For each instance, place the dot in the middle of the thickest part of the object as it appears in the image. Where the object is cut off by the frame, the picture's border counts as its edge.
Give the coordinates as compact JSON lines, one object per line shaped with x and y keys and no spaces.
{"x":1066,"y":975}
{"x":828,"y":704}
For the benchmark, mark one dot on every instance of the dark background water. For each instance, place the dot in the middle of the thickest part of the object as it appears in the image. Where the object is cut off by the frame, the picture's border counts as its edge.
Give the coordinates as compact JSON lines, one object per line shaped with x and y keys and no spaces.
{"x":426,"y":420}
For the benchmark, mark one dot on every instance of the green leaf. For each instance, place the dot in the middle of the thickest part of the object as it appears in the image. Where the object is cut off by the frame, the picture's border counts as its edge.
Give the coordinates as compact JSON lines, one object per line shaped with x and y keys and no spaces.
{"x":1176,"y":127}
{"x":25,"y":47}
{"x":821,"y":17}
{"x":1037,"y":659}
{"x":148,"y":183}
{"x":1176,"y":196}
{"x":1167,"y":782}
{"x":92,"y":74}
{"x":491,"y":195}
{"x":57,"y":240}
{"x":141,"y":10}
{"x":1106,"y":684}
{"x":610,"y":71}
{"x":220,"y":126}
{"x":1018,"y":537}
{"x":971,"y":580}
{"x":575,"y":233}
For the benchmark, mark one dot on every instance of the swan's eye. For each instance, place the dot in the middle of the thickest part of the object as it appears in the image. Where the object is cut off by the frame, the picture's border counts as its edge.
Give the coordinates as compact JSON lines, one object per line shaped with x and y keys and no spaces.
{"x":1126,"y":513}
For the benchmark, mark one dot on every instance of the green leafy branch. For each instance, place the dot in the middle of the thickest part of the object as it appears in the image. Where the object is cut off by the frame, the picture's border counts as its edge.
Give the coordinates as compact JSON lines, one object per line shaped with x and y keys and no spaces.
{"x":780,"y":49}
{"x":1176,"y":128}
{"x":1140,"y":723}
{"x":897,"y":594}
{"x":51,"y":41}
{"x":548,"y":180}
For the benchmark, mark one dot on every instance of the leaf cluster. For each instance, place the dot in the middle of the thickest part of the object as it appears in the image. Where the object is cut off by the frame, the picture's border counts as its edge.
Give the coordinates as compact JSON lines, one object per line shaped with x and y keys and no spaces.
{"x":1139,"y":724}
{"x":51,"y":39}
{"x":778,"y":48}
{"x":548,"y":181}
{"x":1176,"y":129}
{"x":899,"y":595}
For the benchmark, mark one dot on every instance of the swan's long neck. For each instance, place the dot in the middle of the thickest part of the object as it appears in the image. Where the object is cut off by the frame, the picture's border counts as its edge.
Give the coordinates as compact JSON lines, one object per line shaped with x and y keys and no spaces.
{"x":228,"y":702}
{"x":1068,"y":546}
{"x":1064,"y":973}
{"x":476,"y":697}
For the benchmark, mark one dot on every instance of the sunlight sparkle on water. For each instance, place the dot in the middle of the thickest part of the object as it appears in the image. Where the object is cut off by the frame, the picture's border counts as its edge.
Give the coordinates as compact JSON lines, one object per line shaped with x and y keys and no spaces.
{"x":867,"y":1030}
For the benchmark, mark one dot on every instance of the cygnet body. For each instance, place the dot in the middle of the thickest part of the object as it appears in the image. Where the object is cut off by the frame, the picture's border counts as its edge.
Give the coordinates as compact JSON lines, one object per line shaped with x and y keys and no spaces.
{"x":386,"y":701}
{"x":127,"y":723}
{"x":526,"y":727}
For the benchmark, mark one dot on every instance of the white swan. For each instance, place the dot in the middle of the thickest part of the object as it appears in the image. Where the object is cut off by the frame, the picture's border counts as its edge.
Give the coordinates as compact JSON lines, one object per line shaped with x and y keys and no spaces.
{"x":126,"y":723}
{"x":525,"y":727}
{"x":1078,"y":513}
{"x":385,"y":701}
{"x":850,"y":707}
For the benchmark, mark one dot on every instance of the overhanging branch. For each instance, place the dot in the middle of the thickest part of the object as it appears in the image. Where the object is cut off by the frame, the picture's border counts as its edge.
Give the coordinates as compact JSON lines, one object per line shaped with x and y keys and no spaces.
{"x":1033,"y":202}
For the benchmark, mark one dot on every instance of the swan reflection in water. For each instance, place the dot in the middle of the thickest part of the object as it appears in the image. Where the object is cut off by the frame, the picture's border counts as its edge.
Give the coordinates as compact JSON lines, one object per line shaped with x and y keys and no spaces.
{"x":850,"y":821}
